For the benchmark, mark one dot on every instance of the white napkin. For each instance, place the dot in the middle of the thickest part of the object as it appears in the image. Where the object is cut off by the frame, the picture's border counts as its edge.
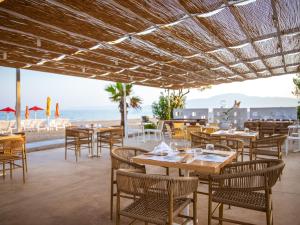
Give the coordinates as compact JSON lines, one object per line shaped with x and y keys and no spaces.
{"x":162,"y":147}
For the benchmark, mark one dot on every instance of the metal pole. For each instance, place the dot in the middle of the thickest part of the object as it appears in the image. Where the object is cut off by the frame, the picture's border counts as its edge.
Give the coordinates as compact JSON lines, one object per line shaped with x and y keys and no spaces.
{"x":125,"y":112}
{"x":18,"y":99}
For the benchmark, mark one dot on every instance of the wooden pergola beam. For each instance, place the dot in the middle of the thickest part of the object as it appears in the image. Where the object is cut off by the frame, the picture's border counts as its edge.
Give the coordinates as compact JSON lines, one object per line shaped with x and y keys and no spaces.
{"x":275,"y":21}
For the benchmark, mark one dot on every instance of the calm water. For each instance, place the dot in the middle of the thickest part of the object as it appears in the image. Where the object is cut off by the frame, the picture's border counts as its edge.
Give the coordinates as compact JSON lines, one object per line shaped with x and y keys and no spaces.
{"x":83,"y":115}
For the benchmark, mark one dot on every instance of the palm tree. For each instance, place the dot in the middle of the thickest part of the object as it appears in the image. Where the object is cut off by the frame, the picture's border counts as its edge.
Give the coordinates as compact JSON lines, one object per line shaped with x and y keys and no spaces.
{"x":116,"y":92}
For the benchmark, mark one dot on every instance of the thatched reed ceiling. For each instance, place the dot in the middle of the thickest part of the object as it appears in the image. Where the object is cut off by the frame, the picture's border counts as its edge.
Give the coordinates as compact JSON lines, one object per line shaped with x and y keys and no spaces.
{"x":170,"y":43}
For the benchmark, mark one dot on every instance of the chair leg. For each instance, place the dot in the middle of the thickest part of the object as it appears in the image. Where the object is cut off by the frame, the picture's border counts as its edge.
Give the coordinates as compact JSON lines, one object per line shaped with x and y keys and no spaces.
{"x":111,"y":193}
{"x":286,"y":147}
{"x":76,"y":152}
{"x":26,"y":168}
{"x":23,"y":167}
{"x":221,"y":210}
{"x":66,"y":147}
{"x":3,"y":170}
{"x":209,"y":209}
{"x":195,"y":216}
{"x":118,"y":209}
{"x":10,"y":169}
{"x":268,"y":208}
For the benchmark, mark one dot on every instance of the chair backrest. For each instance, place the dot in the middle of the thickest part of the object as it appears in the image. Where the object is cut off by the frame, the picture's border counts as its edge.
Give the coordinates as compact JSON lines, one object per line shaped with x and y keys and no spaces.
{"x":155,"y":186}
{"x":233,"y":143}
{"x":192,"y":128}
{"x":269,"y":142}
{"x":218,"y":147}
{"x":200,"y":138}
{"x":255,"y":175}
{"x":13,"y":146}
{"x":121,"y":158}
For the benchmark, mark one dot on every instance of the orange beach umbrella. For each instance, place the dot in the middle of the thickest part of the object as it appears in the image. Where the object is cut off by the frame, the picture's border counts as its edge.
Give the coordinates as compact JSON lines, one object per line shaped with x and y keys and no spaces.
{"x":26,"y":112}
{"x":57,"y":113}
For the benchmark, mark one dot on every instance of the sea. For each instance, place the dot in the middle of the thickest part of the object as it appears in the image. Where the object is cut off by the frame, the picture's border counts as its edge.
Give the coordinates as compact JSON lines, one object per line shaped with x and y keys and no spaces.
{"x":85,"y":114}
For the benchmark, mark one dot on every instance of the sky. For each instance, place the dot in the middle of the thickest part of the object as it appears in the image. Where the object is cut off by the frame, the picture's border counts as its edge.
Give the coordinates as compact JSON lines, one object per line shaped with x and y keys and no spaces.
{"x":72,"y":92}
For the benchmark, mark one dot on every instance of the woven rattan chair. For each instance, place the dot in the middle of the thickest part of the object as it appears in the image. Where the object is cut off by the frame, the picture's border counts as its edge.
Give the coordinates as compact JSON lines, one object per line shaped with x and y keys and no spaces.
{"x":235,"y":144}
{"x":204,"y":178}
{"x":77,"y":139}
{"x":192,"y":128}
{"x":267,"y":129}
{"x":159,"y":200}
{"x":12,"y":150}
{"x":268,"y":147}
{"x":246,"y":185}
{"x":121,"y":159}
{"x":109,"y":138}
{"x":202,"y":138}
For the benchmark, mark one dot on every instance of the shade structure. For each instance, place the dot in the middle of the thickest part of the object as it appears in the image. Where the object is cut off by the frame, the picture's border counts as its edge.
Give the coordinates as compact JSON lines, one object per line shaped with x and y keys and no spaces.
{"x":35,"y":109}
{"x":57,"y":113}
{"x":7,"y":110}
{"x":48,"y":107}
{"x":170,"y":44}
{"x":26,"y":113}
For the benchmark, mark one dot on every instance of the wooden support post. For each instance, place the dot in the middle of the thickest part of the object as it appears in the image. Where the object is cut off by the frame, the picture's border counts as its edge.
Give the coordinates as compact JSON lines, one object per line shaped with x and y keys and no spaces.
{"x":18,"y":99}
{"x":125,"y":112}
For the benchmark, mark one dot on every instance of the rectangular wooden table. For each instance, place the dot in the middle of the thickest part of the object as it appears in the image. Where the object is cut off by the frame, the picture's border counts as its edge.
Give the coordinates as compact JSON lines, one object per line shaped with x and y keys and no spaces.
{"x":205,"y":167}
{"x":250,"y":136}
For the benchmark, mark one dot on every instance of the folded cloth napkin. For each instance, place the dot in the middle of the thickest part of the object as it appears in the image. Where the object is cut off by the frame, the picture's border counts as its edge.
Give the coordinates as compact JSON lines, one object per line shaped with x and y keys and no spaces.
{"x":162,"y":148}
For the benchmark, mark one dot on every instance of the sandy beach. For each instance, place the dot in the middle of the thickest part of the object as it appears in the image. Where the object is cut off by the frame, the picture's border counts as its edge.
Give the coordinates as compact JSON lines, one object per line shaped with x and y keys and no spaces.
{"x":43,"y":135}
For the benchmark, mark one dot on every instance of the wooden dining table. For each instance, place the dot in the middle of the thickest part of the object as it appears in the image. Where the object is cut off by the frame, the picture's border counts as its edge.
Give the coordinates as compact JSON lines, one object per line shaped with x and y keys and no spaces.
{"x":250,"y":136}
{"x":187,"y":161}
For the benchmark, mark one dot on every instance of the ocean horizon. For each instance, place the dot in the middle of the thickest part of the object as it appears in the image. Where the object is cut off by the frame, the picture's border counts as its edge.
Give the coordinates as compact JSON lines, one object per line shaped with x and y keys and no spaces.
{"x":85,"y":115}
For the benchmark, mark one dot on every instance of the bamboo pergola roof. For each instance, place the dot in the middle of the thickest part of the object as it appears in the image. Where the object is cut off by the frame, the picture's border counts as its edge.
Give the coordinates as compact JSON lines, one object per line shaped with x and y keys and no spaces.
{"x":160,"y":43}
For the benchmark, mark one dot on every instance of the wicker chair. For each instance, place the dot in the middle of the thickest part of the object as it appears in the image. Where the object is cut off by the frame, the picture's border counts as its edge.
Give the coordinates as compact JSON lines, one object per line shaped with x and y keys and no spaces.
{"x":246,"y":185}
{"x":268,"y":146}
{"x":204,"y":178}
{"x":12,"y":150}
{"x":267,"y":129}
{"x":202,"y":138}
{"x":159,"y":200}
{"x":121,"y":159}
{"x":109,"y":138}
{"x":235,"y":144}
{"x":77,"y":139}
{"x":192,"y":128}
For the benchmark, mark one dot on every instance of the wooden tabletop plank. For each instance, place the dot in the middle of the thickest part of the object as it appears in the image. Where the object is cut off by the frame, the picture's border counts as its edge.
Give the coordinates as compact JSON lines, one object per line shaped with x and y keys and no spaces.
{"x":237,"y":134}
{"x":205,"y":167}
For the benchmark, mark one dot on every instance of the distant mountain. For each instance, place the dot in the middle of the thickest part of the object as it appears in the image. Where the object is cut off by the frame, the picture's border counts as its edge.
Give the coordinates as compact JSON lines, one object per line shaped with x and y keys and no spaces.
{"x":227,"y":100}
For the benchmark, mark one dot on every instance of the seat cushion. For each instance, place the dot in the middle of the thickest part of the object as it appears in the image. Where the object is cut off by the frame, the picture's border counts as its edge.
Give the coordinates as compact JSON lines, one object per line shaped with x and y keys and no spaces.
{"x":244,"y":199}
{"x":153,"y":210}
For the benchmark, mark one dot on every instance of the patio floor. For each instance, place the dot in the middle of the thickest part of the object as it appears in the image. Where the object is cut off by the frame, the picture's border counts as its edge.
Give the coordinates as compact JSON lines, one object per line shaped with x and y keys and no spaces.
{"x":65,"y":192}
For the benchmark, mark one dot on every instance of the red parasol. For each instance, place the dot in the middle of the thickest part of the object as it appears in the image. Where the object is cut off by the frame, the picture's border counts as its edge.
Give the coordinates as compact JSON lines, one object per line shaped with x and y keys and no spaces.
{"x":7,"y":110}
{"x":35,"y":108}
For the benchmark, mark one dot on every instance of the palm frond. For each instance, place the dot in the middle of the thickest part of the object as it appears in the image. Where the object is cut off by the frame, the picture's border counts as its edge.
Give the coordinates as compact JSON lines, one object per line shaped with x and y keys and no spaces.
{"x":135,"y":102}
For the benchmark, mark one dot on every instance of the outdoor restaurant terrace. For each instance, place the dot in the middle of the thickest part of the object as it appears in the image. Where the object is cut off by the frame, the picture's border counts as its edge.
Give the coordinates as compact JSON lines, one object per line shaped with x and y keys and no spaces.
{"x":182,"y":171}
